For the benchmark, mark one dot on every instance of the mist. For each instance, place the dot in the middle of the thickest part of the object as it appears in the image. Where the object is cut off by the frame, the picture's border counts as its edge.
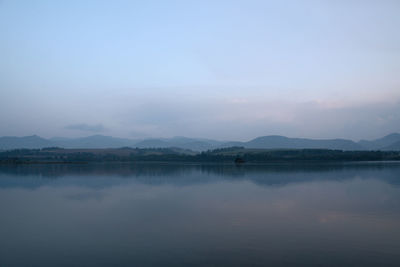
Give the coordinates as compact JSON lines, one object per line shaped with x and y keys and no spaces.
{"x":225,"y":70}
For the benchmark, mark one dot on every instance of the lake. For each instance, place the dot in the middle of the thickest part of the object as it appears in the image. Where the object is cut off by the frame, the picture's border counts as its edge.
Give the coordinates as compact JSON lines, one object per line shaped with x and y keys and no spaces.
{"x":200,"y":215}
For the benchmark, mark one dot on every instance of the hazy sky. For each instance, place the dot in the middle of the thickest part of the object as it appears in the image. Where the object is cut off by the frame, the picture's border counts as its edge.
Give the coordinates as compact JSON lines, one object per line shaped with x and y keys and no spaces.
{"x":215,"y":69}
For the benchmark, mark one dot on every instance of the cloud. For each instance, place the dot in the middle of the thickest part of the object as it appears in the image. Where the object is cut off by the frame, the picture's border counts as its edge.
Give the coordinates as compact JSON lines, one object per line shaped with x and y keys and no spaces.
{"x":227,"y":119}
{"x":86,"y":127}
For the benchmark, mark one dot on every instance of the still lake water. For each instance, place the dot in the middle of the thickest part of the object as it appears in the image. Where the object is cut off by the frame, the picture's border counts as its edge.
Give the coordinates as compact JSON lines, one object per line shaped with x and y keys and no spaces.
{"x":200,"y":215}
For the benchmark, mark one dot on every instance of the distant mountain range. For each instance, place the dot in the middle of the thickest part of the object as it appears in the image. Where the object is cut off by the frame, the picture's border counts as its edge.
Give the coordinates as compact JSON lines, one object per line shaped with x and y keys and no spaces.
{"x":389,"y":142}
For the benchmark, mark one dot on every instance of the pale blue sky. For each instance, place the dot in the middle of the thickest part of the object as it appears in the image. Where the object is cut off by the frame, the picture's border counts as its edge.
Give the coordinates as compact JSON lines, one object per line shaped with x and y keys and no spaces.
{"x":216,"y":69}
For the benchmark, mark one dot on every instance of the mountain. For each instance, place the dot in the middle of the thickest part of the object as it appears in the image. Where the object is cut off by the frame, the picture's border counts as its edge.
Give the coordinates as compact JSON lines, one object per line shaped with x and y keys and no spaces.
{"x":152,"y":143}
{"x":276,"y":142}
{"x":181,"y":142}
{"x":94,"y":141}
{"x":381,"y":143}
{"x":393,"y":147}
{"x":182,"y":139}
{"x":198,"y":144}
{"x":33,"y":141}
{"x":101,"y":141}
{"x":389,"y":142}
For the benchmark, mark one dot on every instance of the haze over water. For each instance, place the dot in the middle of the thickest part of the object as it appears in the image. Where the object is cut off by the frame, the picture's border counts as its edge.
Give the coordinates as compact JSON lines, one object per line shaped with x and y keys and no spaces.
{"x":200,"y":215}
{"x":226,"y":70}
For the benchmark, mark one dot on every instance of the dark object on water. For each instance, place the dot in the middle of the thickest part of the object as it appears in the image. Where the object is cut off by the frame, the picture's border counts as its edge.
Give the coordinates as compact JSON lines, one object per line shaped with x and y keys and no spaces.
{"x":239,"y":161}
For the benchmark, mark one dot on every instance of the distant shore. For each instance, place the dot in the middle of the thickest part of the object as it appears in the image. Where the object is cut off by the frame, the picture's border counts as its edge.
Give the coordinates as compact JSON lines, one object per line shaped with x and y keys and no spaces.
{"x":237,"y":155}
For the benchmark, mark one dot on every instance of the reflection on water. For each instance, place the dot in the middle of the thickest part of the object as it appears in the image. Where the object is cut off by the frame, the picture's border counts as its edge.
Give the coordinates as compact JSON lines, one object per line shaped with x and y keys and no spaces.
{"x":200,"y":215}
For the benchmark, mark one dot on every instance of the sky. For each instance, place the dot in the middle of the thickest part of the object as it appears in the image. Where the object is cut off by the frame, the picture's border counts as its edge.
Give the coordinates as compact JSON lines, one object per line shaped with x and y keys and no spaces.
{"x":228,"y":70}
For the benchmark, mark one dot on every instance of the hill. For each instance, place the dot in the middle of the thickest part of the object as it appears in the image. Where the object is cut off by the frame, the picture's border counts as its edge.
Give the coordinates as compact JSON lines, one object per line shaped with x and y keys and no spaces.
{"x":94,"y":141}
{"x":276,"y":141}
{"x":389,"y":142}
{"x":381,"y":143}
{"x":392,"y":147}
{"x":33,"y":141}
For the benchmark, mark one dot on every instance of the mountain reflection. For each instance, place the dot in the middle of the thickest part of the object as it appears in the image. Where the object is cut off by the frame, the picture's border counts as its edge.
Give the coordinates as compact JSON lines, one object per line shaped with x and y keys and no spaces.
{"x":102,"y":175}
{"x":200,"y":215}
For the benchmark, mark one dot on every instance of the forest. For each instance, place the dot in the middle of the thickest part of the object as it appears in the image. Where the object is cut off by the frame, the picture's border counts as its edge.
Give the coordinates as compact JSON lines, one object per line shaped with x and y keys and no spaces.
{"x":238,"y":155}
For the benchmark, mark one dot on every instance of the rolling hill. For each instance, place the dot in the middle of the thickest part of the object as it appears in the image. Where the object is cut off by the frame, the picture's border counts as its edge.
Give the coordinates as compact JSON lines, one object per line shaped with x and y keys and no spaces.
{"x":381,"y":143}
{"x":276,"y":141}
{"x":31,"y":142}
{"x":389,"y":142}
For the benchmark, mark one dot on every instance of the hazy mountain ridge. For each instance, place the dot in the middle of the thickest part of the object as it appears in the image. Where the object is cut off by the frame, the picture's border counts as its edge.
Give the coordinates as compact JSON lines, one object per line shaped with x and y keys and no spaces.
{"x":393,"y":147}
{"x":276,"y":141}
{"x":33,"y":141}
{"x":389,"y":142}
{"x":94,"y":141}
{"x":381,"y":143}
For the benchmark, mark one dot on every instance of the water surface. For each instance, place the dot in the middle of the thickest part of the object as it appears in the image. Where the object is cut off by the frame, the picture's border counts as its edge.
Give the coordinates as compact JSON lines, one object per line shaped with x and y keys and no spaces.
{"x":200,"y":215}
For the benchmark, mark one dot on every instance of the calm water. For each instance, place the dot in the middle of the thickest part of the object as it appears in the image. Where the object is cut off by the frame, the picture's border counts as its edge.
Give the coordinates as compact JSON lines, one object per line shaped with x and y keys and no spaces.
{"x":193,"y":215}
